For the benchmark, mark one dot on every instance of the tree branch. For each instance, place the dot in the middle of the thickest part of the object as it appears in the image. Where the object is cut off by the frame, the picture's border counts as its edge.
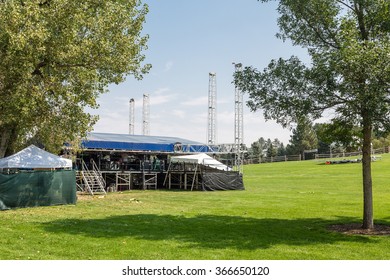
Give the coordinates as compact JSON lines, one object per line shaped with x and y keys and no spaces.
{"x":37,"y":71}
{"x":361,"y":23}
{"x":319,"y":35}
{"x":346,"y":5}
{"x":69,"y":65}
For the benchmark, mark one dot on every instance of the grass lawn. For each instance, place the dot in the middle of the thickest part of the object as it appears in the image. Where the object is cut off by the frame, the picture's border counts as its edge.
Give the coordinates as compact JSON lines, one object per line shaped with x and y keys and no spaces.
{"x":283,"y":214}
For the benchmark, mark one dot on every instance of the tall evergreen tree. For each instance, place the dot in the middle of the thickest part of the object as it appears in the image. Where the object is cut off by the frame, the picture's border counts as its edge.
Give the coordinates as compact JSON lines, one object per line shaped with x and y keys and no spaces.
{"x":282,"y":150}
{"x":257,"y":148}
{"x":303,"y":137}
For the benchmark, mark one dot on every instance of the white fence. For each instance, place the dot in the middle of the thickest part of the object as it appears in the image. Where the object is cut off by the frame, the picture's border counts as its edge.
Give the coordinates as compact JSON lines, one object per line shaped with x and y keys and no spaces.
{"x":273,"y":159}
{"x":317,"y":156}
{"x":351,"y":154}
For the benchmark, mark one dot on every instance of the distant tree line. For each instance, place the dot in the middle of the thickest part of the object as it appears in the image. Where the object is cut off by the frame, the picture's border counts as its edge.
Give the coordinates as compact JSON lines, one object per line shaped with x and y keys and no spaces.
{"x":325,"y":138}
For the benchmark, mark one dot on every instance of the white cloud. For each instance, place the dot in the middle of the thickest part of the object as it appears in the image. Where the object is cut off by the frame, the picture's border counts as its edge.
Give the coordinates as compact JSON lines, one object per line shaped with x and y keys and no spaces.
{"x":200,"y":101}
{"x":106,"y":121}
{"x":255,"y":127}
{"x":158,"y":96}
{"x":199,"y":119}
{"x":224,"y":100}
{"x":179,"y":113}
{"x":161,"y":90}
{"x":160,"y":99}
{"x":226,"y":117}
{"x":168,"y":66}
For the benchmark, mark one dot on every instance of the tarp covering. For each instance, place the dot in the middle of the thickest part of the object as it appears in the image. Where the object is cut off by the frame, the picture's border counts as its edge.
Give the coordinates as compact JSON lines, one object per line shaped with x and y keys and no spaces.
{"x":110,"y":141}
{"x":34,"y":157}
{"x":38,"y":188}
{"x":222,"y":181}
{"x":202,"y":159}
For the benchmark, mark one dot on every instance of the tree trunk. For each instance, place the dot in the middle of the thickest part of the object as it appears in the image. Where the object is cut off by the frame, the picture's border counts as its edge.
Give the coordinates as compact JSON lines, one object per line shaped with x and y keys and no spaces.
{"x":7,"y":139}
{"x":368,"y":214}
{"x":4,"y":140}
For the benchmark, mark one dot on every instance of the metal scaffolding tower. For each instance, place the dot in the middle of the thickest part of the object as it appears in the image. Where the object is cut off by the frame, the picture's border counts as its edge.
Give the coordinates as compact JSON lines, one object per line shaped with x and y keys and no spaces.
{"x":212,"y":119}
{"x":131,"y":116}
{"x":238,"y":124}
{"x":146,"y":115}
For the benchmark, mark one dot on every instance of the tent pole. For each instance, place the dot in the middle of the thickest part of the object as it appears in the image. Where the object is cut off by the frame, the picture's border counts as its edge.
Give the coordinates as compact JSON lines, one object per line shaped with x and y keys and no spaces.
{"x":165,"y":179}
{"x":193,"y":179}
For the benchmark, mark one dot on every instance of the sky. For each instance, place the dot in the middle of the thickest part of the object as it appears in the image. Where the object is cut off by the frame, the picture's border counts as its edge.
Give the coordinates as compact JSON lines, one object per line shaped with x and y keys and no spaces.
{"x":188,"y":39}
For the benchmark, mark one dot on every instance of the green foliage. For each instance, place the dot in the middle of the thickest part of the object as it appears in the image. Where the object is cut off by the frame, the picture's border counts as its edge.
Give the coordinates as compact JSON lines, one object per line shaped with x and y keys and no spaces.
{"x":349,"y":45}
{"x":381,"y":142}
{"x":339,"y":133}
{"x":303,"y":138}
{"x":261,"y":148}
{"x":348,"y":42}
{"x":56,"y":58}
{"x":257,"y":148}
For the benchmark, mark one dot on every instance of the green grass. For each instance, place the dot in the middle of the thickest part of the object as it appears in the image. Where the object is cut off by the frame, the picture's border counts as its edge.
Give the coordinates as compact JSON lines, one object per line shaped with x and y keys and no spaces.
{"x":283,"y":214}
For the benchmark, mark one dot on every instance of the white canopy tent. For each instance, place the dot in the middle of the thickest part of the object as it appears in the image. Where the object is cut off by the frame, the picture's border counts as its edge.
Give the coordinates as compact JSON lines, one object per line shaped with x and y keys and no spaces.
{"x":34,"y":157}
{"x":202,"y":159}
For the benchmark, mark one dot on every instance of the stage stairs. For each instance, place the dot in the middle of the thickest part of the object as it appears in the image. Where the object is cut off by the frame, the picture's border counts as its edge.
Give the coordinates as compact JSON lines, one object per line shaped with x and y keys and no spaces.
{"x":91,"y":180}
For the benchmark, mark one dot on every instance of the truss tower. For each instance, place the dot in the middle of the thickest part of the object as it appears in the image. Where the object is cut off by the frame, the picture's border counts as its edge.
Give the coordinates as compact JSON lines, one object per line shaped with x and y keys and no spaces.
{"x":212,"y":112}
{"x":146,"y":115}
{"x":131,"y":116}
{"x":238,"y":124}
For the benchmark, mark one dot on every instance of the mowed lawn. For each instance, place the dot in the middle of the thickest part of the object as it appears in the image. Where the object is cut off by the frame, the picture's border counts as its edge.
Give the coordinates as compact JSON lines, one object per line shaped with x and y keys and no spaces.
{"x":284,"y":213}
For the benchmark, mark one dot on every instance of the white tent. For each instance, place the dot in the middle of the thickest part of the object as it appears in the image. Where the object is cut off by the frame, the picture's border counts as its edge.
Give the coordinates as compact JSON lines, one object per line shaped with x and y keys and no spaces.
{"x":202,"y":159}
{"x":33,"y":157}
{"x":190,"y":172}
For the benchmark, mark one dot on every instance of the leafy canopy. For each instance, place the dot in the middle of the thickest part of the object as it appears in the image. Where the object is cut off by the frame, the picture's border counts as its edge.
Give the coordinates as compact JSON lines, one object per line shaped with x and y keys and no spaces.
{"x":348,"y":42}
{"x":349,"y":46}
{"x":56,"y":58}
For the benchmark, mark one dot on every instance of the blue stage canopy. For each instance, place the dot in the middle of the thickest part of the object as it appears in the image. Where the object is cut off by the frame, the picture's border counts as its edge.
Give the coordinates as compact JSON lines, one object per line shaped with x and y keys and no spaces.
{"x":127,"y":142}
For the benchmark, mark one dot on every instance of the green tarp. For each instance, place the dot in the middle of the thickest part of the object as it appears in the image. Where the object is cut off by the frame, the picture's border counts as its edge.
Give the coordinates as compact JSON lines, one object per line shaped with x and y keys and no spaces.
{"x":37,"y":188}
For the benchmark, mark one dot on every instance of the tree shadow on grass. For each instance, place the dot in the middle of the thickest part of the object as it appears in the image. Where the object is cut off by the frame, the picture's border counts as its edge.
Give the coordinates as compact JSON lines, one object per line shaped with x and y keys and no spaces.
{"x":208,"y":231}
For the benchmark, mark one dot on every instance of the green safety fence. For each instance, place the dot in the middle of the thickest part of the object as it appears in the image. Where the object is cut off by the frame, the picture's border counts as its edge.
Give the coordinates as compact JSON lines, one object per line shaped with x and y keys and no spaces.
{"x":37,"y":188}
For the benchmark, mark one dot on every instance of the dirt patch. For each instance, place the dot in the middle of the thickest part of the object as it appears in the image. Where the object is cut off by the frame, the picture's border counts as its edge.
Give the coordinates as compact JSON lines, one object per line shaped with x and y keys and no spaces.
{"x":81,"y":197}
{"x":356,"y":229}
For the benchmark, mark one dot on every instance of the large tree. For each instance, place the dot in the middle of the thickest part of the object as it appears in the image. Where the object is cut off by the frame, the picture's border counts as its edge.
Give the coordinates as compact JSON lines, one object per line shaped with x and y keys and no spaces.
{"x":56,"y":58}
{"x":303,"y":138}
{"x":339,"y":134}
{"x":257,"y":148}
{"x":348,"y":42}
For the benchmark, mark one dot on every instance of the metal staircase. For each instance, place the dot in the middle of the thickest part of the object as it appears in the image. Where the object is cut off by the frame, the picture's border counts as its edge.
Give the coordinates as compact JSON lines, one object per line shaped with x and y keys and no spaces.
{"x":91,"y":180}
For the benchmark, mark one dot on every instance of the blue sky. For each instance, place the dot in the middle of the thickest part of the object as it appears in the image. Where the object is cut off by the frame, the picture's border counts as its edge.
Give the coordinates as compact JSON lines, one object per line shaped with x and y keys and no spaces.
{"x":189,"y":39}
